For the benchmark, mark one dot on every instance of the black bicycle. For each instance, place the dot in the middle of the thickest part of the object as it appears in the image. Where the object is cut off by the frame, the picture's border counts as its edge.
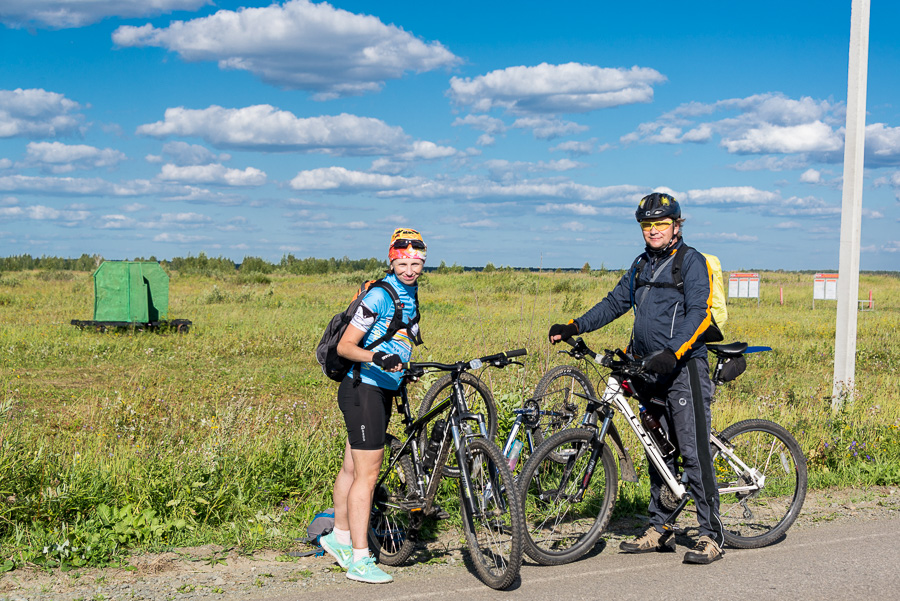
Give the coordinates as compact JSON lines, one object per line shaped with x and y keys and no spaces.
{"x":449,"y":438}
{"x":569,"y":484}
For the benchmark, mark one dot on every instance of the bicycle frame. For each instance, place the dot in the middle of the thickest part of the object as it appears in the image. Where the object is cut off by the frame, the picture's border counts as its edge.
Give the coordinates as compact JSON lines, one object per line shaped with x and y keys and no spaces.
{"x":457,"y":428}
{"x":614,"y":398}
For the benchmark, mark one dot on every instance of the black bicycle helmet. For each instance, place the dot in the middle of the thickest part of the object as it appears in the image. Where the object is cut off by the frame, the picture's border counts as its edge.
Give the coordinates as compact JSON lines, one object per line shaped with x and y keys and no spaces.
{"x":657,"y":206}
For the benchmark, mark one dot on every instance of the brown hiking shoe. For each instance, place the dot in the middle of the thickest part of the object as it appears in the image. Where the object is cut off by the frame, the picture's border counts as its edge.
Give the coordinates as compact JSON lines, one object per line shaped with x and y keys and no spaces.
{"x":705,"y":551}
{"x":650,"y":540}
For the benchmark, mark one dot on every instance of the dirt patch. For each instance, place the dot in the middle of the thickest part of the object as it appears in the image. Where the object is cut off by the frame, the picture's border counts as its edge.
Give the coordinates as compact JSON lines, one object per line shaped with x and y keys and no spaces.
{"x":211,"y":572}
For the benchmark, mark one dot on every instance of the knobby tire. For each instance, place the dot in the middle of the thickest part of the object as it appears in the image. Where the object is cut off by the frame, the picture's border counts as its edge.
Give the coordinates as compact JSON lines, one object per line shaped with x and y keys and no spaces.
{"x":760,"y":518}
{"x":494,"y":532}
{"x":559,"y":529}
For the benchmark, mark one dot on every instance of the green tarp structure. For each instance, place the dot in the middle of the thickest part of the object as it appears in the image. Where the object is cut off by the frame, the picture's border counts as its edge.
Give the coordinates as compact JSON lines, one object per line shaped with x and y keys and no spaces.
{"x":131,"y":291}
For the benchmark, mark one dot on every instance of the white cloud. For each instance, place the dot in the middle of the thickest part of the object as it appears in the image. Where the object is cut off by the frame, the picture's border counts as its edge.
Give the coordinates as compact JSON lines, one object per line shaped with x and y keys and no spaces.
{"x":724,"y":237}
{"x":43,"y":213}
{"x":882,"y":145}
{"x":485,"y":123}
{"x":56,"y":157}
{"x":330,"y":225}
{"x":809,"y":206}
{"x":811,"y":176}
{"x":572,"y":226}
{"x":759,"y":124}
{"x":305,"y":215}
{"x":263,"y":127}
{"x":37,"y":113}
{"x":189,"y":218}
{"x":214,"y":174}
{"x":576,"y":208}
{"x":5,"y":163}
{"x":70,"y":186}
{"x":182,"y":153}
{"x":545,"y":88}
{"x":333,"y":178}
{"x":298,"y":45}
{"x":61,"y":14}
{"x":116,"y":222}
{"x":769,"y":163}
{"x":768,"y":138}
{"x":729,"y":196}
{"x":486,"y":140}
{"x":179,"y":238}
{"x":548,"y":128}
{"x":428,"y":151}
{"x":133,"y":207}
{"x":480,"y":224}
{"x":788,"y":225}
{"x":585,"y":147}
{"x":503,"y":170}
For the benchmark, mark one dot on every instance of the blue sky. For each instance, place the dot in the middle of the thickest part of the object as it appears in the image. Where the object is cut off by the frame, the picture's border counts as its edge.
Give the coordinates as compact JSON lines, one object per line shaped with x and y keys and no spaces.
{"x":520,"y":135}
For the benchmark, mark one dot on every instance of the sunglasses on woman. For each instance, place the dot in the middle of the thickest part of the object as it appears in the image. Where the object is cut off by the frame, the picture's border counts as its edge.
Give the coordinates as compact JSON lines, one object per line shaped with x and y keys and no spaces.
{"x":401,"y":243}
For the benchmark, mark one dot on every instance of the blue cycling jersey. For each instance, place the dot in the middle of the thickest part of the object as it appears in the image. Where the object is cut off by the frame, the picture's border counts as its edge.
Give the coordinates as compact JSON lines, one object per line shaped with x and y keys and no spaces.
{"x":373,"y":317}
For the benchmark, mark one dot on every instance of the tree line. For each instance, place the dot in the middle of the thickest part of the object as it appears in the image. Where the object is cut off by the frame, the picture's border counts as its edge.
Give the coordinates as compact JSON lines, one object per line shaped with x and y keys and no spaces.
{"x":200,"y":264}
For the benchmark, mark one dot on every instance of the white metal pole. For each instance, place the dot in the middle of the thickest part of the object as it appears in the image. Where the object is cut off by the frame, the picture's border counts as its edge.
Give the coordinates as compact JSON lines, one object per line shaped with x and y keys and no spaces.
{"x":851,"y":207}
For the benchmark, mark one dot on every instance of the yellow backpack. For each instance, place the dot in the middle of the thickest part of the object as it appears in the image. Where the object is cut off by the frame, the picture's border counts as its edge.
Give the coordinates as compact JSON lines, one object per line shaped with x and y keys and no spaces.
{"x":719,"y":310}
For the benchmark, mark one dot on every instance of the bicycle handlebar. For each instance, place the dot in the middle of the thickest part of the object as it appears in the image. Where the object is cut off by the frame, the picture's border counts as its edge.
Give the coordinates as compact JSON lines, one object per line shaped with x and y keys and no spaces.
{"x":497,"y":360}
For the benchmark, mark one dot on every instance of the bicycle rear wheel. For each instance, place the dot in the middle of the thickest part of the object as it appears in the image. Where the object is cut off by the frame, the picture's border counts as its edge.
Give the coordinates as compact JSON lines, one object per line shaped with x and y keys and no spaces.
{"x":494,"y":531}
{"x":555,"y":392}
{"x":761,"y":517}
{"x":560,"y":527}
{"x":479,"y":400}
{"x":391,"y":525}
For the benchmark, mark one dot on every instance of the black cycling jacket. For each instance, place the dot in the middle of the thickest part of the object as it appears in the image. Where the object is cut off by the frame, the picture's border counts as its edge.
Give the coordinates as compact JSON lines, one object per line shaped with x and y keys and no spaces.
{"x":665,"y":318}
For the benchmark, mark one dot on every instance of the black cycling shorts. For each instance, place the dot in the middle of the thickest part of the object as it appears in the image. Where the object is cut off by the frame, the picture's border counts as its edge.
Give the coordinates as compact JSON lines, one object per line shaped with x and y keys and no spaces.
{"x":367,"y":410}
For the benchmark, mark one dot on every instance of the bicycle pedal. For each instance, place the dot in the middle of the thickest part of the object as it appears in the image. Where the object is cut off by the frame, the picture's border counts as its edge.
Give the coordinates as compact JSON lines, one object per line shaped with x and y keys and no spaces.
{"x":412,"y":505}
{"x":438,"y":513}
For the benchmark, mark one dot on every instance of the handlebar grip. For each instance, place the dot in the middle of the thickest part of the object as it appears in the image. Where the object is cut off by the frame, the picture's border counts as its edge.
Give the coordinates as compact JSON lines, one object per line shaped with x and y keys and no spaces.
{"x":521,"y":352}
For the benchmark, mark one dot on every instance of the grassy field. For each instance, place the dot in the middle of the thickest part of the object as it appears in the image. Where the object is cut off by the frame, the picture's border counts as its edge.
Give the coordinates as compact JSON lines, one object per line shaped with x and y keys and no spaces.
{"x":111,"y":441}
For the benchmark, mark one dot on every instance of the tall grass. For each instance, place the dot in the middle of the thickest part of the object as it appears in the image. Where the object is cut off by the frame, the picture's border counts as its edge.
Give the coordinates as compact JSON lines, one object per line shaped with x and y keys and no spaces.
{"x":230,"y":433}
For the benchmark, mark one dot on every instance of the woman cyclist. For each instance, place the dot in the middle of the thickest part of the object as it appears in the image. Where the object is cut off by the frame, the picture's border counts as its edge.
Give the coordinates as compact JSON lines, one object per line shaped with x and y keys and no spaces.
{"x":364,"y":397}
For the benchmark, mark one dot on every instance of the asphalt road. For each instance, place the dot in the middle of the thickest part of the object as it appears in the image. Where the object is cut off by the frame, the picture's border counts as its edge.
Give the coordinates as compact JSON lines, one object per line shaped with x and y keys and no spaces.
{"x":845,"y":560}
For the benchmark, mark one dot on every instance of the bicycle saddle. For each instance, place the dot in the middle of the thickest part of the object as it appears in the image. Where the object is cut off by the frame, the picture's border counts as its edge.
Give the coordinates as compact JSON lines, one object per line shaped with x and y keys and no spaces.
{"x":732,"y":349}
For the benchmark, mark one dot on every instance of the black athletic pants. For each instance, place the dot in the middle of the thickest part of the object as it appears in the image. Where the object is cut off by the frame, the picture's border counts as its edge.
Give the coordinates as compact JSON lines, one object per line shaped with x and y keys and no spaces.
{"x":686,"y":418}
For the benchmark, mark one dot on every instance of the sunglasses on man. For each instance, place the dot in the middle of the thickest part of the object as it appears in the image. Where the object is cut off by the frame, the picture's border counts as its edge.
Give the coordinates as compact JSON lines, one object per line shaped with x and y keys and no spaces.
{"x":660,"y":226}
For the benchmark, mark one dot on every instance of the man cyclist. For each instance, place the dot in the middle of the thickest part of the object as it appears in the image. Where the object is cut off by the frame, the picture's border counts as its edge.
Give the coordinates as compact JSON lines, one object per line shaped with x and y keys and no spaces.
{"x":365,"y":400}
{"x":669,"y":322}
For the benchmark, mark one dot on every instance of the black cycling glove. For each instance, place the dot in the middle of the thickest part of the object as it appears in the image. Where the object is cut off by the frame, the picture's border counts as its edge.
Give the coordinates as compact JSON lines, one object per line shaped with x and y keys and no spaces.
{"x":385,"y":361}
{"x":661,"y":363}
{"x":565,"y":330}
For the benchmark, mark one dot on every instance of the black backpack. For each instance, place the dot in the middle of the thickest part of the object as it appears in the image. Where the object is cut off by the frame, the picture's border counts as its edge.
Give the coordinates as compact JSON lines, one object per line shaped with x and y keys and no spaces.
{"x":713,"y":333}
{"x":336,"y":367}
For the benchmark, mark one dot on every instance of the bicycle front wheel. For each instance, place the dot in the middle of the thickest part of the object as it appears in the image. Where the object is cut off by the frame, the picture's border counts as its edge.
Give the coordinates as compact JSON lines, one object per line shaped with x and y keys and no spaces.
{"x":563,"y":519}
{"x":391,"y":530}
{"x":478,"y":399}
{"x":494,"y":530}
{"x":759,"y":517}
{"x":555,"y":392}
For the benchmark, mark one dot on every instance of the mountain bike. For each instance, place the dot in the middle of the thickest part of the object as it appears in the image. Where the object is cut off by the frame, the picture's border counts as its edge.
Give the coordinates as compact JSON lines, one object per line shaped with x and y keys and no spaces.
{"x":569,"y":484}
{"x":490,"y":505}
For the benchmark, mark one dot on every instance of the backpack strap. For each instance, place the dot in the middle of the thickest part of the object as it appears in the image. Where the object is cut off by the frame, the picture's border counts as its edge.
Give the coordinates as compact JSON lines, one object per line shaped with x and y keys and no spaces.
{"x":395,"y":325}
